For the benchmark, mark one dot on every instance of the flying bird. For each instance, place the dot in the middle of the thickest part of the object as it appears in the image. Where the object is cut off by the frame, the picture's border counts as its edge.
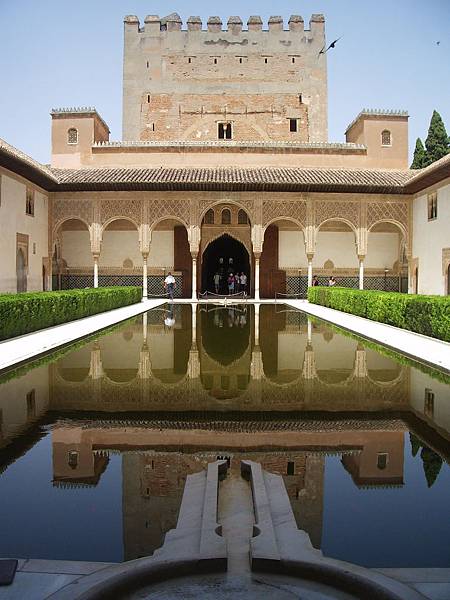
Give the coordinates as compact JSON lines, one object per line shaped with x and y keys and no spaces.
{"x":332,"y":45}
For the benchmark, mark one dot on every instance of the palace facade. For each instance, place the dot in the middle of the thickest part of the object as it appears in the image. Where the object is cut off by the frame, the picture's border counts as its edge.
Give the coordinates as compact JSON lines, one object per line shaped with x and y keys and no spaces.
{"x":224,"y":165}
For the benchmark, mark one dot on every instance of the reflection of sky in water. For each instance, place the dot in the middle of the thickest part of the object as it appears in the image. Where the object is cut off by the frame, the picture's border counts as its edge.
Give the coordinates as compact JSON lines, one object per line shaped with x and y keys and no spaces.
{"x":302,"y":387}
{"x":402,"y":526}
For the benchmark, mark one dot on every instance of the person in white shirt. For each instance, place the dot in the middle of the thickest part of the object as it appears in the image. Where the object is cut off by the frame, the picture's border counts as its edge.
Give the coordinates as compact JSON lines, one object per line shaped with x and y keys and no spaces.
{"x":170,"y":285}
{"x":243,"y":283}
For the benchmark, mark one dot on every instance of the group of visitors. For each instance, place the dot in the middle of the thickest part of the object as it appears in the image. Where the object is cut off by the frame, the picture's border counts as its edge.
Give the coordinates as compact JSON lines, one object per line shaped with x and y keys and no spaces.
{"x":236,"y":282}
{"x":331,"y":281}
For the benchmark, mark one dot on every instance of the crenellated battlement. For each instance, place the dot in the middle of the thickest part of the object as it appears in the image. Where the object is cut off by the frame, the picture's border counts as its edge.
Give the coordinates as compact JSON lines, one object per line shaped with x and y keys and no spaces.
{"x":235,"y":25}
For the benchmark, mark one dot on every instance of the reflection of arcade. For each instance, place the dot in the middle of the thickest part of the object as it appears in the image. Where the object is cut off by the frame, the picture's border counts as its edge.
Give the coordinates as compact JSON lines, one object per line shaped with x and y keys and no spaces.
{"x":153,"y":479}
{"x":225,"y":350}
{"x":255,"y":358}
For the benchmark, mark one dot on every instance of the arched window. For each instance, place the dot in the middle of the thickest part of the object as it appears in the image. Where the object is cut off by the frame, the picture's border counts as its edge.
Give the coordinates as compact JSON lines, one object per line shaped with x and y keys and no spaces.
{"x":242,"y":217}
{"x":226,"y":216}
{"x":72,"y":136}
{"x":382,"y":460}
{"x":209,"y":217}
{"x":385,"y":138}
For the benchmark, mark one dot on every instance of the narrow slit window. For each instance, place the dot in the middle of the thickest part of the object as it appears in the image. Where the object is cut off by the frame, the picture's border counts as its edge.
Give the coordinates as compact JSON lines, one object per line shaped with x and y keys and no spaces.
{"x":300,"y":98}
{"x":29,"y":203}
{"x":266,"y":60}
{"x":215,"y":61}
{"x":432,"y":206}
{"x":148,"y":64}
{"x":293,"y":127}
{"x":148,"y":98}
{"x":290,"y":468}
{"x":293,"y":60}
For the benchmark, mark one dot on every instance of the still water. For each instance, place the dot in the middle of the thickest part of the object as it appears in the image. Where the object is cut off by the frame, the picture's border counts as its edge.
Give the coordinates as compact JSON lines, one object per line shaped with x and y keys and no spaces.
{"x":96,"y":441}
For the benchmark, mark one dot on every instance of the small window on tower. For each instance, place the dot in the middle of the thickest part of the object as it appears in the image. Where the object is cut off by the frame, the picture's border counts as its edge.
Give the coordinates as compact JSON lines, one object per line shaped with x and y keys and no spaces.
{"x":293,"y":60}
{"x":266,"y":60}
{"x":215,"y":61}
{"x":293,"y":125}
{"x":189,"y":60}
{"x":224,"y":131}
{"x":300,"y":98}
{"x":148,"y":64}
{"x":148,"y":98}
{"x":72,"y":136}
{"x":385,"y":138}
{"x":240,"y":60}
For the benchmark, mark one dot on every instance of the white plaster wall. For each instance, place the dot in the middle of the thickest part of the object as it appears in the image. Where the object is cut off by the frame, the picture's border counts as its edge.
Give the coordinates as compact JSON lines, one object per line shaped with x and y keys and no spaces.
{"x":338,"y":353}
{"x":429,"y":238}
{"x":291,"y":250}
{"x":119,"y":245}
{"x":338,"y":246}
{"x":13,"y":400}
{"x":291,"y":350}
{"x":161,"y":249}
{"x":419,"y":383}
{"x":14,"y":220}
{"x":382,"y":250}
{"x":76,"y":248}
{"x":161,"y":347}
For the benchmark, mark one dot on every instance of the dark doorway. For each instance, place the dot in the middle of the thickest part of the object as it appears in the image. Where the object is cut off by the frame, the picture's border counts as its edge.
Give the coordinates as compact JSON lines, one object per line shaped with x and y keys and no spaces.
{"x":21,"y":271}
{"x":224,"y":256}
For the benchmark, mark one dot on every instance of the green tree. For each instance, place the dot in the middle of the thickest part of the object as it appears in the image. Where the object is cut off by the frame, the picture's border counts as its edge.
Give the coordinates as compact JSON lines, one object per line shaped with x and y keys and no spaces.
{"x":437,"y":140}
{"x":415,"y":444}
{"x":420,"y":156}
{"x":432,"y":464}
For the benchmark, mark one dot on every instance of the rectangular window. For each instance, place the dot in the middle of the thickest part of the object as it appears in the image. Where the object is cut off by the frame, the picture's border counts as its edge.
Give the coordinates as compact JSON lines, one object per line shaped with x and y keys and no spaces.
{"x":31,"y":404}
{"x":293,"y":125}
{"x":29,"y":203}
{"x":432,"y":206}
{"x":224,"y":131}
{"x":148,"y":98}
{"x":429,"y":403}
{"x":290,"y":468}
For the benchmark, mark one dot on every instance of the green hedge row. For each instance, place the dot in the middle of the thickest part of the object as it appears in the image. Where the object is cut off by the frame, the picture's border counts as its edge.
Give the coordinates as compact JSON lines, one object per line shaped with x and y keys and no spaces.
{"x":429,"y":315}
{"x":23,"y":313}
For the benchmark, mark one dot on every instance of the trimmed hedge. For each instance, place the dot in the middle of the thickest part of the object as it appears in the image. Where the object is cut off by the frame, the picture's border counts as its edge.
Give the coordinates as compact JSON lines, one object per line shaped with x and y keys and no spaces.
{"x":27,"y":312}
{"x":428,"y":315}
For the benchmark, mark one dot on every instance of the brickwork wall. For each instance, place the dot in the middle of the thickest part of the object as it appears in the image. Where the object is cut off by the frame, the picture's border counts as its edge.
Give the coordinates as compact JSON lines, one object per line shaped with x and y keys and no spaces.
{"x":178,"y":84}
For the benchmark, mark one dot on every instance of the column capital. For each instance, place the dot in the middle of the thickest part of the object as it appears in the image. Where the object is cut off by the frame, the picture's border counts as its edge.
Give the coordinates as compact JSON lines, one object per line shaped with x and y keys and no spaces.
{"x":310,"y":256}
{"x":361,"y":257}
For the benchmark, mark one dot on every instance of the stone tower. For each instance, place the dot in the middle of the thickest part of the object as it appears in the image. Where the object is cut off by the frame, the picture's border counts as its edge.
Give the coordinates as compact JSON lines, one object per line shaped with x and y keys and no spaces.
{"x":224,"y":84}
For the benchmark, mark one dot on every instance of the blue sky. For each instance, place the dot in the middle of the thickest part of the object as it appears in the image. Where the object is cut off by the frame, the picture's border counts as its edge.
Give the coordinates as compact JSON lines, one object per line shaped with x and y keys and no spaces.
{"x":69,"y":53}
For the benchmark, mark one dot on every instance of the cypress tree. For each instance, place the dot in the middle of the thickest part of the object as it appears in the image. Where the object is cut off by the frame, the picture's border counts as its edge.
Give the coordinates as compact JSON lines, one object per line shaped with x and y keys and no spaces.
{"x":437,"y":139}
{"x":419,"y":159}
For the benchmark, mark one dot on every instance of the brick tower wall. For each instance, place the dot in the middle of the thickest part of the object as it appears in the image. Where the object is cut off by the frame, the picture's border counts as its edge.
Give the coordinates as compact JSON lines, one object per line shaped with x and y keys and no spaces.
{"x":180,"y":84}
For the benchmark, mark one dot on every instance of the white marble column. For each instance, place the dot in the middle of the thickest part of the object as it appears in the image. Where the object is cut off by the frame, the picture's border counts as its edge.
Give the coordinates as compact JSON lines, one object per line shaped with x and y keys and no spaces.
{"x":257,"y":307}
{"x":144,"y":277}
{"x":309,"y":331}
{"x":361,"y":273}
{"x":194,"y":326}
{"x":144,"y":327}
{"x":194,"y":277}
{"x":310,"y":271}
{"x":257,"y":297}
{"x":96,"y":270}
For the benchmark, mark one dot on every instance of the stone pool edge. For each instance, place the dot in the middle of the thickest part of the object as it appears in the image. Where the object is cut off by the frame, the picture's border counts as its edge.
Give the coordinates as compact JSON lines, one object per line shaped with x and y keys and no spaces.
{"x":432,"y":352}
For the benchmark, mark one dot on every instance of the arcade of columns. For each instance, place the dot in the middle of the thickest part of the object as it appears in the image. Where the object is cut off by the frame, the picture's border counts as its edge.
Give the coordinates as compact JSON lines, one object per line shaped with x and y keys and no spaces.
{"x":307,"y":211}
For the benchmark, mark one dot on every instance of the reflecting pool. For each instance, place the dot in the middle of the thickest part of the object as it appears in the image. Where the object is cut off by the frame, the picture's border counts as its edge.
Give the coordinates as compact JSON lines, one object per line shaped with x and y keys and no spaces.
{"x":96,"y":441}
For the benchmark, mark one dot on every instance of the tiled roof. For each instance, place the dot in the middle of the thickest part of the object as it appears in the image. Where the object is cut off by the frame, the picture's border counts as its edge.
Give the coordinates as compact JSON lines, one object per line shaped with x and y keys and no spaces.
{"x":423,"y":178}
{"x":378,"y":112}
{"x":234,"y":178}
{"x":22,"y":164}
